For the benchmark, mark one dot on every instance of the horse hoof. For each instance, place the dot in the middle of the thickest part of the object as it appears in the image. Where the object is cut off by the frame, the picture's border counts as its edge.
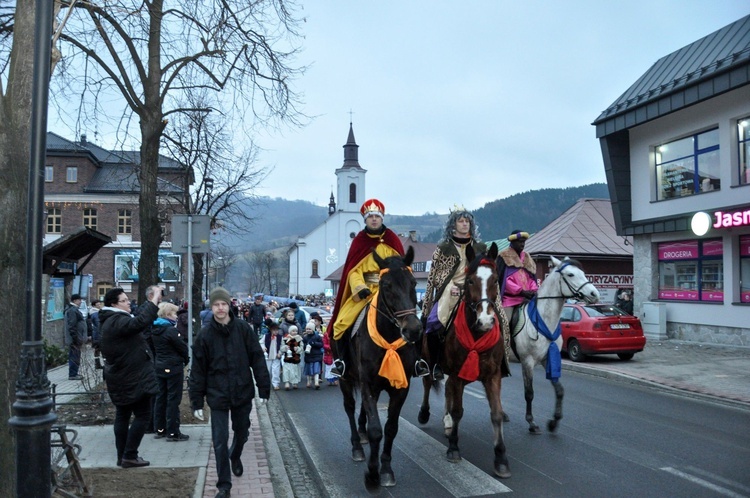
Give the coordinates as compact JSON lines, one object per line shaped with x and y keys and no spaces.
{"x":372,"y":482}
{"x":552,"y":425}
{"x":534,"y":429}
{"x":423,"y":417}
{"x":502,"y":471}
{"x":358,"y":455}
{"x":454,"y":456}
{"x":387,"y":480}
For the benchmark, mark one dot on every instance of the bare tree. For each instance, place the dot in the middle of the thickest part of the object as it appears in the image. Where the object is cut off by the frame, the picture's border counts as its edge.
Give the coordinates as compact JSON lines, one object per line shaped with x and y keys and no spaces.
{"x":150,"y":57}
{"x":16,"y":69}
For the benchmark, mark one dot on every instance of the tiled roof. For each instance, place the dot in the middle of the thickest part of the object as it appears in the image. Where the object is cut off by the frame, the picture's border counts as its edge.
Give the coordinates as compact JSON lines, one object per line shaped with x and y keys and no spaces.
{"x":586,"y":229}
{"x":705,"y":68}
{"x":123,"y":178}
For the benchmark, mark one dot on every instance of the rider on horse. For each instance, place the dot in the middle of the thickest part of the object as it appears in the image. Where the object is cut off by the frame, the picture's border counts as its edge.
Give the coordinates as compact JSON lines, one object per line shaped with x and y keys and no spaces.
{"x":360,"y":277}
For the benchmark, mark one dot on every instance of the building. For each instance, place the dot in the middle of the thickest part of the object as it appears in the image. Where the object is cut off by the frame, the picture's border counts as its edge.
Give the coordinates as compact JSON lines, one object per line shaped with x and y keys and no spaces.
{"x":675,"y":146}
{"x":586,"y":232}
{"x":319,"y":253}
{"x":88,"y":186}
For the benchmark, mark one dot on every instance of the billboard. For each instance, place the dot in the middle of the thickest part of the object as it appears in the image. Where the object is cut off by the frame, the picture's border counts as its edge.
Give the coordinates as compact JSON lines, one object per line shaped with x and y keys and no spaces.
{"x":126,"y":265}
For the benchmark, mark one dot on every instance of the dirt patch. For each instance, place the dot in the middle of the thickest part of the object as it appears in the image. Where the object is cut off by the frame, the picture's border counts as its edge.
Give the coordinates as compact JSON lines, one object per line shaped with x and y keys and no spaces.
{"x":141,"y":483}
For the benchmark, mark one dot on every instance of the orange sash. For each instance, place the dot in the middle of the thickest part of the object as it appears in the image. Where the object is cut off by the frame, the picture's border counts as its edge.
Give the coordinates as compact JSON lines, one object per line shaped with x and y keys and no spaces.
{"x":391,"y":368}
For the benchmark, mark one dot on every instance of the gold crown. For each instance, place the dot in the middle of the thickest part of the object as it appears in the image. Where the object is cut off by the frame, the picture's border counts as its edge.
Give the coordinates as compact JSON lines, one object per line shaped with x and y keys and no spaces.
{"x":372,"y":207}
{"x":457,"y":209}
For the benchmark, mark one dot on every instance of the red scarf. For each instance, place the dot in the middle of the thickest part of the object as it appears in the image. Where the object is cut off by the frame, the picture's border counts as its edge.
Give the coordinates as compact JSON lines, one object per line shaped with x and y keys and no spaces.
{"x":470,"y":368}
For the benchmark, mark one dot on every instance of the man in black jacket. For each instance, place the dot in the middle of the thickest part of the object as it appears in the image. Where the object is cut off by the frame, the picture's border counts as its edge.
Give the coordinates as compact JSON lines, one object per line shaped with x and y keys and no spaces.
{"x":129,"y":369}
{"x":76,"y":334}
{"x":224,"y":353}
{"x":257,"y":313}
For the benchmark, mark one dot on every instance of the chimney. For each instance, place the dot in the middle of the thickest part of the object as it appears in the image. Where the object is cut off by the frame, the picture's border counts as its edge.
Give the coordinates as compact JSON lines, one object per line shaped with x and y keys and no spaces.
{"x":83,"y":139}
{"x":413,"y":236}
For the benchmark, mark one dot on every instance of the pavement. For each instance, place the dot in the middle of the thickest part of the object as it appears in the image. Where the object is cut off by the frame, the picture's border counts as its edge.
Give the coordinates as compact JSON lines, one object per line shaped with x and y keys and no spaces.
{"x":710,"y":372}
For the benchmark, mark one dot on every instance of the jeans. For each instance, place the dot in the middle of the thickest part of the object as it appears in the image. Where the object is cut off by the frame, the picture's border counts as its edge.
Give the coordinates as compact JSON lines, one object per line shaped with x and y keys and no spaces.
{"x":74,"y":359}
{"x":128,"y":435}
{"x":167,"y":403}
{"x":220,"y":436}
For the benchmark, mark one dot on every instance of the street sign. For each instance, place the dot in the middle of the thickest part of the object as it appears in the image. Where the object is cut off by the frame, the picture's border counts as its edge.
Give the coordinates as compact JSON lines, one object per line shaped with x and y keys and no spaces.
{"x":201,"y":231}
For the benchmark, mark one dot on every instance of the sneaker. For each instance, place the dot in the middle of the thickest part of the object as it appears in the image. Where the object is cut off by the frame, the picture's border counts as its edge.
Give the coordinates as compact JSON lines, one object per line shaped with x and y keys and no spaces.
{"x":138,"y":462}
{"x":160,"y":434}
{"x":421,"y":368}
{"x":75,"y":377}
{"x":178,"y":437}
{"x":339,"y":367}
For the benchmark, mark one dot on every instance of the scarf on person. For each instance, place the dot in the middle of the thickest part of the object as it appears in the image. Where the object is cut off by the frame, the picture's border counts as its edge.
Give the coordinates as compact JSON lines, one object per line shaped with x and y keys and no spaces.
{"x":554,"y":359}
{"x":392,"y":368}
{"x":470,"y":368}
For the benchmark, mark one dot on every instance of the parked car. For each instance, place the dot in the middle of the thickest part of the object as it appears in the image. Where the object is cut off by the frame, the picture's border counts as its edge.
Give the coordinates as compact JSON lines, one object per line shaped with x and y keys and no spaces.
{"x":325,"y":315}
{"x":589,"y":329}
{"x":277,"y":315}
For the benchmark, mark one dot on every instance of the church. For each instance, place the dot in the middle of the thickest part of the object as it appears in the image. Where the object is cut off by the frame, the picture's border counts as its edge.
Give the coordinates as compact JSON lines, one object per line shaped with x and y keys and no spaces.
{"x":314,"y":256}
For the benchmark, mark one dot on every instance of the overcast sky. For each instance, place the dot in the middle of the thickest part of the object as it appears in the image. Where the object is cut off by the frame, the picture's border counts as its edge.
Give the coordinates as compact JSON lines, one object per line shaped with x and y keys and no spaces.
{"x":470,"y":101}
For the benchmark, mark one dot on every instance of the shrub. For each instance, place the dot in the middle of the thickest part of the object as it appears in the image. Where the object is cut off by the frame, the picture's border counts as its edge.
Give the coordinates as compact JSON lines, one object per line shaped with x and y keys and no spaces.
{"x":54,"y":356}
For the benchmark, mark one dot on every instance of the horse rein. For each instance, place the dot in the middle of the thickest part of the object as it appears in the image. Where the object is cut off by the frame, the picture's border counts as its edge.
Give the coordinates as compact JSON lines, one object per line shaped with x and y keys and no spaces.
{"x":576,"y":292}
{"x":395,"y":317}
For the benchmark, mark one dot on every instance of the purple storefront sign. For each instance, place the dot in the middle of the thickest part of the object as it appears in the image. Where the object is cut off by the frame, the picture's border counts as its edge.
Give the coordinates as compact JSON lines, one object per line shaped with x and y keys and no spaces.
{"x":672,"y":251}
{"x":713,"y":248}
{"x":682,"y":295}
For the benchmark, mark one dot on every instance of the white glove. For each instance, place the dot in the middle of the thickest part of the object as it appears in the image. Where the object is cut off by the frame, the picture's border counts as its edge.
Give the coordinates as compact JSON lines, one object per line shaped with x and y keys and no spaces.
{"x":198,"y":414}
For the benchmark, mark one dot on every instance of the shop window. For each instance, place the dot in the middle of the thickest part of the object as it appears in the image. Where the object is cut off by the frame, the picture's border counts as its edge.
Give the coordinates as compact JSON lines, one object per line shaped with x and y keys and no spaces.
{"x":89,"y":218}
{"x":691,"y":270}
{"x":743,"y":135}
{"x":54,"y":220}
{"x":745,"y":268}
{"x":315,"y":269}
{"x":688,"y":166}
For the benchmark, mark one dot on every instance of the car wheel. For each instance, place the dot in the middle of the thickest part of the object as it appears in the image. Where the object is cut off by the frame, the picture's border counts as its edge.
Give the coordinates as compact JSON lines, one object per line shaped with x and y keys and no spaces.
{"x":625,"y":356}
{"x":574,"y":351}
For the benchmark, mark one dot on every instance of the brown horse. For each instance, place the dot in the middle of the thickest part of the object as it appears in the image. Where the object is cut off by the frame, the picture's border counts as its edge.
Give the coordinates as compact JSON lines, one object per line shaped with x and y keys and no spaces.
{"x":473,"y":350}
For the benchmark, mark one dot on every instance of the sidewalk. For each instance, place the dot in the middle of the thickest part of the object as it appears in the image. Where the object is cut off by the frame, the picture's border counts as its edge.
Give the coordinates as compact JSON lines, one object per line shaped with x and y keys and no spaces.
{"x":718,"y":373}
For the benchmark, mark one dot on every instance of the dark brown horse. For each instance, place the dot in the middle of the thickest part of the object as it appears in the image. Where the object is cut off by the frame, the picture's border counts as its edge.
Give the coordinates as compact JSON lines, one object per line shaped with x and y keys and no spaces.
{"x":473,"y":350}
{"x":390,"y":319}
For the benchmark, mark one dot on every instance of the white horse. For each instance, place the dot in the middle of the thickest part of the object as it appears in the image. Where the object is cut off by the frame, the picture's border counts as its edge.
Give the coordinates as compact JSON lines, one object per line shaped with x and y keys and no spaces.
{"x":536,"y":337}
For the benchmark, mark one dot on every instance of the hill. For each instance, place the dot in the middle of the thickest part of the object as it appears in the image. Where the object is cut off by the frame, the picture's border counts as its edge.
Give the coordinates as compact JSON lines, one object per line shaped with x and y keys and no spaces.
{"x":278,"y":222}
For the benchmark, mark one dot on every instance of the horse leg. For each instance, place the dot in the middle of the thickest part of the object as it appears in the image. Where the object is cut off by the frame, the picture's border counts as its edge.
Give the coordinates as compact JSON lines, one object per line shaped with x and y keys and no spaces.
{"x":374,"y":434}
{"x":397,"y":399}
{"x":424,"y":409}
{"x":362,"y":430}
{"x":492,"y":389}
{"x":454,"y":391}
{"x":347,"y":390}
{"x":528,"y":393}
{"x":559,"y":394}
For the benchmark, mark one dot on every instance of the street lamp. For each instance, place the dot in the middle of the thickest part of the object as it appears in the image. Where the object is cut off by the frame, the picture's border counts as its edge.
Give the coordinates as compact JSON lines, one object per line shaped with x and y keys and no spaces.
{"x":208,"y":184}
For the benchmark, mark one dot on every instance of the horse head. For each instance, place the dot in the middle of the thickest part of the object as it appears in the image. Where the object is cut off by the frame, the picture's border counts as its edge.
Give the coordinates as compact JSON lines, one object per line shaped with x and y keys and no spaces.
{"x":397,"y":299}
{"x":481,"y":288}
{"x":573,"y":281}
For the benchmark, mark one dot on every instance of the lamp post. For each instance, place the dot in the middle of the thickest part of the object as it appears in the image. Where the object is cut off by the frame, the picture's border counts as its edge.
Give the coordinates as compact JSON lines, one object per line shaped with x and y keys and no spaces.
{"x":32,"y":417}
{"x":208,"y":183}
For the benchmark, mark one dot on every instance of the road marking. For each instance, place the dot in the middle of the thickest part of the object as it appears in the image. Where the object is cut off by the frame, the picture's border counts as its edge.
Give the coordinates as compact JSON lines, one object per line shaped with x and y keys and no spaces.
{"x":702,"y":482}
{"x":475,"y":392}
{"x":461,"y":479}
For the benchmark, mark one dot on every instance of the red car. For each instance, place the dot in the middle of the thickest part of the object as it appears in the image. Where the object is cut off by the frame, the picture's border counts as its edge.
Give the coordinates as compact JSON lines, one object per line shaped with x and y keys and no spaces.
{"x":589,"y":329}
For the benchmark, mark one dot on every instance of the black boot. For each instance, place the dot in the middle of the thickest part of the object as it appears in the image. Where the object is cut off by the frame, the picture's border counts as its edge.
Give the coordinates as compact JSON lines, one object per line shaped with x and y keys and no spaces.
{"x":338,"y":349}
{"x":435,"y":347}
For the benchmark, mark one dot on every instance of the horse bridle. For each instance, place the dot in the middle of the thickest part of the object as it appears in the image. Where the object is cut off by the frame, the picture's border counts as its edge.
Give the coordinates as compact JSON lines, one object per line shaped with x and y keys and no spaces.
{"x":576,"y":292}
{"x":395,"y":317}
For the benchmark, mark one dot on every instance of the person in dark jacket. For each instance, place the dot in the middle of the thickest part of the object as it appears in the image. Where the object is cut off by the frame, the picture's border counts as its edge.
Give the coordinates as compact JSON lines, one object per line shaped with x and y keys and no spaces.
{"x":226,"y":357}
{"x":129,"y":370}
{"x":96,"y":335}
{"x":182,"y":321}
{"x":171,"y":358}
{"x":299,"y":315}
{"x":313,"y":354}
{"x":76,"y":333}
{"x":257,"y":313}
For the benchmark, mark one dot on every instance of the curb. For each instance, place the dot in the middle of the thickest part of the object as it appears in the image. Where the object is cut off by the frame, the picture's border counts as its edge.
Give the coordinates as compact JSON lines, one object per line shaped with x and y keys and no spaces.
{"x":200,"y":483}
{"x":622,"y":377}
{"x":282,"y":487}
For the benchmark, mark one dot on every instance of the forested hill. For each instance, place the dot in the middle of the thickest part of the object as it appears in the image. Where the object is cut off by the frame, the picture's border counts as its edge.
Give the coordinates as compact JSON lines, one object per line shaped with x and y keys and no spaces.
{"x":278,"y":222}
{"x":529,"y":211}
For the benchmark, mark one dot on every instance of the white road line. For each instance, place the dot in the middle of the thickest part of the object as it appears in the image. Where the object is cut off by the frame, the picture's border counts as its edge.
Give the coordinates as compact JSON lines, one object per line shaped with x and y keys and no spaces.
{"x":461,"y":479}
{"x":702,"y":482}
{"x":475,"y":392}
{"x":716,"y":478}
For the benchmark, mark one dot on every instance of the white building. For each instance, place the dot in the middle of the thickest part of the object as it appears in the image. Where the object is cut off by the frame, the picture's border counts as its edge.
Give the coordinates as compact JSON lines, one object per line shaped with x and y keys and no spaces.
{"x":677,"y":143}
{"x":319,"y":253}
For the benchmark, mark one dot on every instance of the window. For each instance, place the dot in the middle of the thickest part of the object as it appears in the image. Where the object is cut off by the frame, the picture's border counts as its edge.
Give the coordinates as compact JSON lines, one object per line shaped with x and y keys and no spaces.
{"x":124,"y":220}
{"x":745,"y":268}
{"x":71,"y":174}
{"x":89,"y":218}
{"x":688,"y":166}
{"x":743,"y":136}
{"x":49,"y":174}
{"x":102,"y":288}
{"x":315,"y":269}
{"x":353,"y":193}
{"x":691,"y":270}
{"x":54,"y":220}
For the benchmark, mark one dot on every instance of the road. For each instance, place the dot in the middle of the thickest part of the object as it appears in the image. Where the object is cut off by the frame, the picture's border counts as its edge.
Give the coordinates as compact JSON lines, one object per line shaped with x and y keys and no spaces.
{"x":616,"y":439}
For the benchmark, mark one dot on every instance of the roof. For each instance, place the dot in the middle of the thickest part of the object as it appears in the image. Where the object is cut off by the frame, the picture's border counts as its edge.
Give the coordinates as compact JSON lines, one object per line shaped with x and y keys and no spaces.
{"x":123,"y":178}
{"x":81,"y":243}
{"x":701,"y":70}
{"x":586,"y":229}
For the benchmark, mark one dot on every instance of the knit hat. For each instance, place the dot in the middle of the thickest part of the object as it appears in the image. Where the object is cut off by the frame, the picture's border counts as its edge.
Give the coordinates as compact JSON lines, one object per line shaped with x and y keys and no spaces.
{"x":310,"y":325}
{"x":220,"y":294}
{"x":372,"y":207}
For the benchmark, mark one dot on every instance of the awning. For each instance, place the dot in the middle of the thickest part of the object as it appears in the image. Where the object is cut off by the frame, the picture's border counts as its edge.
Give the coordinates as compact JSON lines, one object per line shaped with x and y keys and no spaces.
{"x":82,"y":243}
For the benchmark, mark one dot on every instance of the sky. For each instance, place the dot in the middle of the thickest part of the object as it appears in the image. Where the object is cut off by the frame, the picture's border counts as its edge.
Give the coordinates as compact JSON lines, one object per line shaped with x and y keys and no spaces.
{"x":470,"y":101}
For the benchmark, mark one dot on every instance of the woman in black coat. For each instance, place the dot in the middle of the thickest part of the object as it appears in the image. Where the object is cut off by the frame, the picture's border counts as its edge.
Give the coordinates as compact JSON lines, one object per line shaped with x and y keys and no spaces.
{"x":171,"y":358}
{"x":313,"y":354}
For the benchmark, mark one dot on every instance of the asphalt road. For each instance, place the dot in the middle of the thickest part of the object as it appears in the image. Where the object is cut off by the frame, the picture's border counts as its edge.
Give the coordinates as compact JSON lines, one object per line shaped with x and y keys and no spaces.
{"x":616,"y":439}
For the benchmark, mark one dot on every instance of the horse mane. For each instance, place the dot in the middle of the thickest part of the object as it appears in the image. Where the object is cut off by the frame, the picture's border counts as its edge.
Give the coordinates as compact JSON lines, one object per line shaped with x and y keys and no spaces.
{"x":573,"y":262}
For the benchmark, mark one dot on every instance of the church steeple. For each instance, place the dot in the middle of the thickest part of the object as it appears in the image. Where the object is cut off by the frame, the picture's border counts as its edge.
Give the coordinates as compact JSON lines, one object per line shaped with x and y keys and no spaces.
{"x":351,"y":154}
{"x":331,"y":205}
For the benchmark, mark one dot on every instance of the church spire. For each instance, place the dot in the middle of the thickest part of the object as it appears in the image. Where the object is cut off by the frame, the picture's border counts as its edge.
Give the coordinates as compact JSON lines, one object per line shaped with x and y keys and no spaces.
{"x":331,"y":205}
{"x":351,"y":154}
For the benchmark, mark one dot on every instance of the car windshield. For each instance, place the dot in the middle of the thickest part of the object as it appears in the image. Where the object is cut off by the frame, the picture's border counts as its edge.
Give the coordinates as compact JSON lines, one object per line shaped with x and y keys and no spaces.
{"x":604,"y":310}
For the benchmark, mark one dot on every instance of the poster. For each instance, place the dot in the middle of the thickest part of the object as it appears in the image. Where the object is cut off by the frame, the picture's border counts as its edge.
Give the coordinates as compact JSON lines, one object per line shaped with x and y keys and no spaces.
{"x":126,"y":266}
{"x":56,"y":299}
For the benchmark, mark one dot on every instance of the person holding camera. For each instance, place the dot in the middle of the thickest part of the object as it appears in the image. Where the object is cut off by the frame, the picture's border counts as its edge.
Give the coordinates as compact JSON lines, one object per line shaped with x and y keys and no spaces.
{"x":129,"y":369}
